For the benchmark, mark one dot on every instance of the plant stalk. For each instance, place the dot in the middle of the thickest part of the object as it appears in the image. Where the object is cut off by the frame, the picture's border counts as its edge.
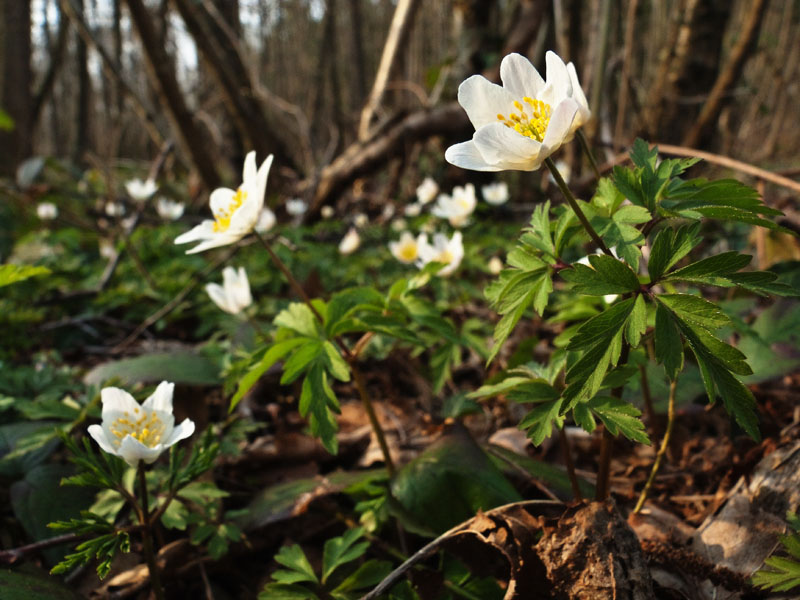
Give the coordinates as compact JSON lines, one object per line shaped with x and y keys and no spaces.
{"x":588,"y":152}
{"x":573,"y":478}
{"x":147,"y":537}
{"x":662,"y":450}
{"x":373,"y":418}
{"x":573,"y":203}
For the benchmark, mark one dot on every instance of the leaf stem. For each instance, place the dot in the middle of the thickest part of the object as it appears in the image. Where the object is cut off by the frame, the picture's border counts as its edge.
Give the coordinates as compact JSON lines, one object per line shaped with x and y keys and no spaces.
{"x":588,"y":152}
{"x":373,"y":418}
{"x":573,"y":203}
{"x":662,"y":450}
{"x":147,"y":537}
{"x":573,"y":478}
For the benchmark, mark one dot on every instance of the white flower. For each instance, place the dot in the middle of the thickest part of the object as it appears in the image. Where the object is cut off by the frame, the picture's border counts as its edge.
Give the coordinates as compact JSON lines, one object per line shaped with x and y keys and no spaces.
{"x":495,"y":193}
{"x":107,"y":249}
{"x":235,"y":212}
{"x":169,"y":210}
{"x":399,"y":224}
{"x":450,"y":252}
{"x":114,"y":209}
{"x":296,"y":207}
{"x":266,"y":220}
{"x":458,"y":207}
{"x":563,"y":169}
{"x":350,"y":242}
{"x":360,"y":220}
{"x":413,"y":209}
{"x":523,"y":122}
{"x":233,"y":295}
{"x":139,"y":190}
{"x":326,"y":212}
{"x":427,"y":191}
{"x":406,"y":250}
{"x":47,"y":211}
{"x":495,"y":265}
{"x":388,"y":212}
{"x":135,"y":432}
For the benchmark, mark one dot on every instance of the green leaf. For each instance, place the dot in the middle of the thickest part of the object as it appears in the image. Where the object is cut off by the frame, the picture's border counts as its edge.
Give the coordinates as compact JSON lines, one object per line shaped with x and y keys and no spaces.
{"x":298,"y":363}
{"x":737,"y":398}
{"x":282,"y":591}
{"x":316,"y":400}
{"x":295,"y":559}
{"x":714,"y":270}
{"x":13,"y":273}
{"x":179,"y":366}
{"x":6,"y":122}
{"x":347,"y":302}
{"x":337,"y":366}
{"x":533,"y":391}
{"x":607,"y":275}
{"x":637,"y":322}
{"x":368,"y":575}
{"x":18,"y":585}
{"x":783,"y":574}
{"x":341,"y":550}
{"x":670,"y":246}
{"x":488,"y":390}
{"x":695,"y":310}
{"x":619,"y":417}
{"x":275,"y":353}
{"x":600,"y":328}
{"x":299,"y":318}
{"x":668,"y":344}
{"x":540,"y":420}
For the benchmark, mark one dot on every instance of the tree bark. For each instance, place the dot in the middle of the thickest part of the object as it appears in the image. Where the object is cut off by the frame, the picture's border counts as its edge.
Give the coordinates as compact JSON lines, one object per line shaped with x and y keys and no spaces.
{"x":84,"y":93}
{"x":56,"y":52}
{"x":15,"y":83}
{"x":162,"y":75}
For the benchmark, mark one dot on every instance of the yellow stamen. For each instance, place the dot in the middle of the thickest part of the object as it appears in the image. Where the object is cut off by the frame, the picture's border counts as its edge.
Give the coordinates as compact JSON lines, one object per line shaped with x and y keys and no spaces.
{"x":222,"y":220}
{"x":534,"y":126}
{"x":408,"y":252}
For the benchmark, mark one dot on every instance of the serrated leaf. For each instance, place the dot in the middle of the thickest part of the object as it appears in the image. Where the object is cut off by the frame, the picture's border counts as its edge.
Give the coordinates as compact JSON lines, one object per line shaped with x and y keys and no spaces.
{"x":343,"y":304}
{"x":783,"y":574}
{"x":636,"y":324}
{"x":540,"y":420}
{"x":295,"y":559}
{"x":282,"y":591}
{"x":713,"y":270}
{"x":619,"y":417}
{"x":762,"y":283}
{"x":670,"y":246}
{"x":299,"y":318}
{"x":368,"y":575}
{"x":299,"y":361}
{"x":488,"y":390}
{"x":275,"y":352}
{"x":600,"y":328}
{"x":695,"y":310}
{"x":341,"y":550}
{"x":316,"y":400}
{"x":628,"y":183}
{"x":668,"y":344}
{"x":10,"y":273}
{"x":737,"y":398}
{"x":642,"y":155}
{"x":607,"y":275}
{"x":337,"y":366}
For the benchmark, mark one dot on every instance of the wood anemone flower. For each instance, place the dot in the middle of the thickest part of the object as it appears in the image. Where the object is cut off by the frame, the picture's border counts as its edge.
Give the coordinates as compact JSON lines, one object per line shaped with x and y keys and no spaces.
{"x":139,"y":190}
{"x":406,"y":250}
{"x":236,"y":213}
{"x":457,"y":207}
{"x":233,"y":295}
{"x":450,"y":252}
{"x":135,"y":432}
{"x":518,"y":125}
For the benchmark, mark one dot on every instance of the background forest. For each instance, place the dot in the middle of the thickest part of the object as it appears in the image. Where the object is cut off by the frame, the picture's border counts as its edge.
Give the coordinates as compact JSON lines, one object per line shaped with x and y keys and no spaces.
{"x":358,"y":403}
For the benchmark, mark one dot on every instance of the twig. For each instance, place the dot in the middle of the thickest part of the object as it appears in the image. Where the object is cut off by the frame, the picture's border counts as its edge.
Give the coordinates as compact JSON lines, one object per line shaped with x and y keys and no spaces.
{"x":662,"y":450}
{"x":373,"y":418}
{"x":431,"y":547}
{"x":147,"y":536}
{"x":9,"y":557}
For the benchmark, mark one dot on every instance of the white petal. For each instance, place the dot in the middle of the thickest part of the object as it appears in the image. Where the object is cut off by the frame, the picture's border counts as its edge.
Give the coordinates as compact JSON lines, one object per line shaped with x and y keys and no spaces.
{"x":181,"y":432}
{"x":215,"y":241}
{"x":132,"y":450}
{"x":466,"y":156}
{"x":483,"y":100}
{"x":249,"y":170}
{"x":503,"y":147}
{"x":559,"y":126}
{"x":520,"y":77}
{"x":261,"y":180}
{"x":161,"y":399}
{"x":559,"y":84}
{"x":229,"y":277}
{"x":99,"y":436}
{"x":200,"y":232}
{"x":116,"y":401}
{"x":584,"y":114}
{"x":245,"y":217}
{"x":240,"y":291}
{"x":220,"y":199}
{"x":217,"y":294}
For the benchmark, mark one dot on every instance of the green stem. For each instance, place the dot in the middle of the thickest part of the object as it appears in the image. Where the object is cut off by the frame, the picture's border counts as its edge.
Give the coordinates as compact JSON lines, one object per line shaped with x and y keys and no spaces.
{"x":573,"y":478}
{"x":373,"y":418}
{"x":573,"y":203}
{"x":588,"y":152}
{"x":147,"y":537}
{"x":662,"y":450}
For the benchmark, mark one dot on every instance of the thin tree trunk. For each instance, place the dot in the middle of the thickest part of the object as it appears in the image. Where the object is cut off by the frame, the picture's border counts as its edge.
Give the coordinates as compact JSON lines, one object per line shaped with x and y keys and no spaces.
{"x":357,"y":35}
{"x":162,"y":75}
{"x":56,"y":53}
{"x":15,"y":83}
{"x":84,"y":91}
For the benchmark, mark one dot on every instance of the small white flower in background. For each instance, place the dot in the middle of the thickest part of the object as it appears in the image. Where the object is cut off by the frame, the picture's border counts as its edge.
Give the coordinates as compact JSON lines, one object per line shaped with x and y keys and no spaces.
{"x":107,"y":249}
{"x":360,"y":220}
{"x":564,"y":170}
{"x":235,"y":212}
{"x":495,"y":265}
{"x":458,"y":207}
{"x":518,"y":125}
{"x":135,"y":432}
{"x":139,"y":190}
{"x":495,"y":193}
{"x":399,"y":225}
{"x":169,"y":210}
{"x":326,"y":212}
{"x":350,"y":242}
{"x":296,"y":207}
{"x":406,"y":250}
{"x":47,"y":211}
{"x":388,"y":212}
{"x":608,"y":298}
{"x":114,"y":209}
{"x":427,"y":191}
{"x":266,"y":221}
{"x":233,"y":295}
{"x":413,"y":209}
{"x":450,"y":252}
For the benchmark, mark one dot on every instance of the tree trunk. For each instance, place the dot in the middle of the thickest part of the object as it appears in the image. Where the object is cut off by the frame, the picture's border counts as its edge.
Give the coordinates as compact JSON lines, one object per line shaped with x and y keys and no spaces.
{"x":15,"y":83}
{"x":84,"y":92}
{"x":162,"y":74}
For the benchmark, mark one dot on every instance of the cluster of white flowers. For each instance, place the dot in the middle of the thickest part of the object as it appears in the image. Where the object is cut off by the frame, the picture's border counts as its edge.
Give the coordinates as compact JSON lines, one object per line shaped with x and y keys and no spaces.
{"x":420,"y":251}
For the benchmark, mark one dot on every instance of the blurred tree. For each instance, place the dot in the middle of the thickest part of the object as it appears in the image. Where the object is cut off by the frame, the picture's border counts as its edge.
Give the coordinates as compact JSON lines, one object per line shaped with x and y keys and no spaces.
{"x":15,"y":82}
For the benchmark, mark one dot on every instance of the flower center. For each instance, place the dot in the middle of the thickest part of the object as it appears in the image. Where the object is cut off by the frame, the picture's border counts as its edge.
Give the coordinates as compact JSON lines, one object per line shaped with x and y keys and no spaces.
{"x":148,"y":429}
{"x":222,"y":220}
{"x":408,"y":252}
{"x":533,"y":126}
{"x":445,"y":256}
